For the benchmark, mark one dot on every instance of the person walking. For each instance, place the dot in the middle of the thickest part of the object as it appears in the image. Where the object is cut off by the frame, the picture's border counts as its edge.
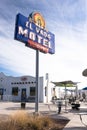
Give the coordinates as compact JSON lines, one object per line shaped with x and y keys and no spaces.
{"x":59,"y":107}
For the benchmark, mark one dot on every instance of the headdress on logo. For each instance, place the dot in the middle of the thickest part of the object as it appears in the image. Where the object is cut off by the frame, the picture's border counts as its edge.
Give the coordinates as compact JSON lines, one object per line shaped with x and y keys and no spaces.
{"x":37,"y":19}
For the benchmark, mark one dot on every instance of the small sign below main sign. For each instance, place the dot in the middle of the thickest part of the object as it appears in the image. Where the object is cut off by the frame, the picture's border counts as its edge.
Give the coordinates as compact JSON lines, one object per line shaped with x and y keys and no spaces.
{"x":31,"y":31}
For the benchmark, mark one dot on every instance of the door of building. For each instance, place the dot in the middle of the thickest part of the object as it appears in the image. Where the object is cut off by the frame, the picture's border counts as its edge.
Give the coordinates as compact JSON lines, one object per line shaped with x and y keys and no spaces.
{"x":1,"y":93}
{"x":23,"y":94}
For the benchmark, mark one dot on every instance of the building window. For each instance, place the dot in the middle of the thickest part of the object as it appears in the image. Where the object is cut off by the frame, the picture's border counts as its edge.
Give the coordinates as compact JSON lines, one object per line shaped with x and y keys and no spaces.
{"x":15,"y":91}
{"x":32,"y":91}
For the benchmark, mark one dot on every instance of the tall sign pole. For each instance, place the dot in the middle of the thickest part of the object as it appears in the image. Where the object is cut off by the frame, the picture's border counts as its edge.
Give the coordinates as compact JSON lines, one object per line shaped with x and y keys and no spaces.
{"x":37,"y":80}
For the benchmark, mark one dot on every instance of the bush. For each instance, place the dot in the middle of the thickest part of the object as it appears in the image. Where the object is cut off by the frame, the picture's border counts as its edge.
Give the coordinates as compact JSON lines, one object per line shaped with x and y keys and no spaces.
{"x":23,"y":121}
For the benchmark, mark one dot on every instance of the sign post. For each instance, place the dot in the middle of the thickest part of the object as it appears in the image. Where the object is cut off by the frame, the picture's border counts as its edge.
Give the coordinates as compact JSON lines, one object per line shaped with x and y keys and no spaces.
{"x":37,"y":80}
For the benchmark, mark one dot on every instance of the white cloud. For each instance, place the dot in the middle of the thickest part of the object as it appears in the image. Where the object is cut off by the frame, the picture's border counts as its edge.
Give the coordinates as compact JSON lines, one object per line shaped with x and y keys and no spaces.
{"x":18,"y":57}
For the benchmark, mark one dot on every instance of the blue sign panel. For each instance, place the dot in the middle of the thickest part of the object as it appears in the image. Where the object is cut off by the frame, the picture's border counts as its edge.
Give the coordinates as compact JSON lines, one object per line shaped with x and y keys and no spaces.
{"x":33,"y":35}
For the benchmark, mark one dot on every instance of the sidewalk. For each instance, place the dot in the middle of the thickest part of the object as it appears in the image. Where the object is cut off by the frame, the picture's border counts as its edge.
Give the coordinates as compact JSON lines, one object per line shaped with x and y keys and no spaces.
{"x":8,"y":108}
{"x":75,"y":122}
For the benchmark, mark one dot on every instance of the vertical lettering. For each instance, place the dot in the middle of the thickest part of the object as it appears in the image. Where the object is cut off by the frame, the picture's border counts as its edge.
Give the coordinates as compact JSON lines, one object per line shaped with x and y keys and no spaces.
{"x":37,"y":30}
{"x":27,"y":24}
{"x":49,"y":36}
{"x":20,"y":30}
{"x":32,"y":36}
{"x":45,"y":43}
{"x":39,"y":38}
{"x":31,"y":26}
{"x":23,"y":32}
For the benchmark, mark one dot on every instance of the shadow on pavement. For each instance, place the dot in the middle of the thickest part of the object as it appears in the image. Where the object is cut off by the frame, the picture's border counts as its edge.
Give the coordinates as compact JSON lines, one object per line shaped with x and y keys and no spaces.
{"x":19,"y":108}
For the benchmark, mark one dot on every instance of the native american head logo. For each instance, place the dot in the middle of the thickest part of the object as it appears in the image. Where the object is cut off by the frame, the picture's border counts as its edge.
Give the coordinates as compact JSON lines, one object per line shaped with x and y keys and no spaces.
{"x":38,"y":19}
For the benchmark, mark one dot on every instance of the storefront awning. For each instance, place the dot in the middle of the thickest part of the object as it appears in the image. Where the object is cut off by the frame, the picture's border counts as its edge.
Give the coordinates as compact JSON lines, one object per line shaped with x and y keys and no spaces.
{"x":84,"y":88}
{"x":67,"y":83}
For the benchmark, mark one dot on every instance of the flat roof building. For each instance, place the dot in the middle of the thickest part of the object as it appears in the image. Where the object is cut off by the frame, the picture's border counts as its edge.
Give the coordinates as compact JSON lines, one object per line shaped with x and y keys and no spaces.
{"x":23,"y":87}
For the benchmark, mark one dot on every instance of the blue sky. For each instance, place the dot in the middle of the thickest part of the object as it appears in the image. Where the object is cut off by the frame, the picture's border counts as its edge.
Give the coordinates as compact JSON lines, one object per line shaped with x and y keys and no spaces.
{"x":67,"y":19}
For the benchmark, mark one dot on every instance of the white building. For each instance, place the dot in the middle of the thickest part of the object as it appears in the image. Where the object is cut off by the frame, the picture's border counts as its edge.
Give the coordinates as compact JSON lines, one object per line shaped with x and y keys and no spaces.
{"x":19,"y":88}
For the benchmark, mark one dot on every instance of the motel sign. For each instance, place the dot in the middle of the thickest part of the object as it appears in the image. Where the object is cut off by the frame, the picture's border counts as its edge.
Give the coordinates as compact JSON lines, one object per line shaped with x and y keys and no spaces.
{"x":31,"y":31}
